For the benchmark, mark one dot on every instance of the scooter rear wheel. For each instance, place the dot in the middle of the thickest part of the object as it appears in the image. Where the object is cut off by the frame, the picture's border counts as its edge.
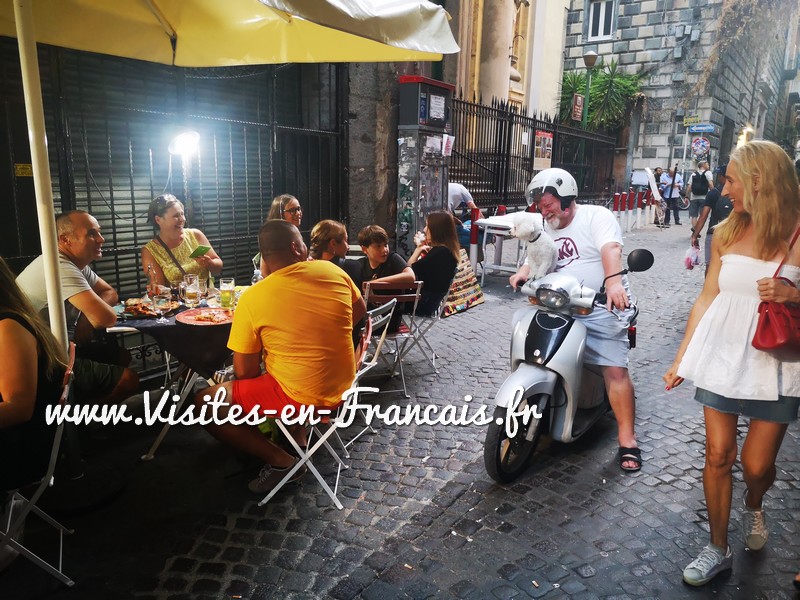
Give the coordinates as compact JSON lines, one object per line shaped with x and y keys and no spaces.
{"x":506,"y":457}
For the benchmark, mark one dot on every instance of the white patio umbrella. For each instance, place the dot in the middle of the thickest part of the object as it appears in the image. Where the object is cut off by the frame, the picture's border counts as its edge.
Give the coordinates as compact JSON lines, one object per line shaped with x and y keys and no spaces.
{"x":206,"y":33}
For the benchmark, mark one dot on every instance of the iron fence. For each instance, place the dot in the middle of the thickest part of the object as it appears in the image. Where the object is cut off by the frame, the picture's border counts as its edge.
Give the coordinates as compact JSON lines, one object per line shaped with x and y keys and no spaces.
{"x":498,"y":149}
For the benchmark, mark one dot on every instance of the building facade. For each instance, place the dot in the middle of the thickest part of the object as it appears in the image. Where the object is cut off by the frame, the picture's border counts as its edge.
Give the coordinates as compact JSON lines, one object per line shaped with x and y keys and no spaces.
{"x":672,"y":44}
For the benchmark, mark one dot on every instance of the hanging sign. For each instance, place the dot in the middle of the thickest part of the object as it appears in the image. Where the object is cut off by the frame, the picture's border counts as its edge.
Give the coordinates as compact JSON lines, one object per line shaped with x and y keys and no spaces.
{"x":577,"y":107}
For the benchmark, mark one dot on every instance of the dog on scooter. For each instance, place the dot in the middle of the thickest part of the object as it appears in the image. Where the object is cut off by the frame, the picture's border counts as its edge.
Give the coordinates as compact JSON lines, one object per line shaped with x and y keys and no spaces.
{"x":542,"y":251}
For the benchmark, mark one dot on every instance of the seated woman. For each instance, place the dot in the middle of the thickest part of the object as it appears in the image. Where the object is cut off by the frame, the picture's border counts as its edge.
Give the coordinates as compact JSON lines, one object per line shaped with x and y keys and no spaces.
{"x":286,"y":208}
{"x":166,"y":256}
{"x":434,"y":261}
{"x":30,"y":380}
{"x":329,"y":242}
{"x":283,"y":208}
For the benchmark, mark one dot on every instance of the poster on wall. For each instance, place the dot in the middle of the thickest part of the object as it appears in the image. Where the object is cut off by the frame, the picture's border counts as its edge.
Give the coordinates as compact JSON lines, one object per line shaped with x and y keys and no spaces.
{"x":700,"y":148}
{"x":543,"y":150}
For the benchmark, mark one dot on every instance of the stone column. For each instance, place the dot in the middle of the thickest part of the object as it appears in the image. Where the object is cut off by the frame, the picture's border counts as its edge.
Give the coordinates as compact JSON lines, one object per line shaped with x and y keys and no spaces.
{"x":496,"y":41}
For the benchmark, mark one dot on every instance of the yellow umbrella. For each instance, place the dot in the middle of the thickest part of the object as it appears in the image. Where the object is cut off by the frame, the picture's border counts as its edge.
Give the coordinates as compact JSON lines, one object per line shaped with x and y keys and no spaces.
{"x":205,"y":33}
{"x":219,"y":33}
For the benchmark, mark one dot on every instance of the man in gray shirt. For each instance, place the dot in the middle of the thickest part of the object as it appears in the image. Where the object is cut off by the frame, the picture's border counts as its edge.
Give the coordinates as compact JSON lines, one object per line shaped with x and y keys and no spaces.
{"x":88,"y":302}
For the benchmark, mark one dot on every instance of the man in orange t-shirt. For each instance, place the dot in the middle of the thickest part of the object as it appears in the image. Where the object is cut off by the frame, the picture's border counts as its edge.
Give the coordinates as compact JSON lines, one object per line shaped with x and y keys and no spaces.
{"x":299,"y":320}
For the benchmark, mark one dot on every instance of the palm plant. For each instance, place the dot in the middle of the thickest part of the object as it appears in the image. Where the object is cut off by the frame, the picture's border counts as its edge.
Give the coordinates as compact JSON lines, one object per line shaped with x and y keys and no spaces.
{"x":611,"y":95}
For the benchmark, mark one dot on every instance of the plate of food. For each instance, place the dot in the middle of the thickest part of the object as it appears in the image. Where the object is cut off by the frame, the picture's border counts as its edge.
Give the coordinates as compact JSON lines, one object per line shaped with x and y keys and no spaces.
{"x":205,"y":316}
{"x":142,"y":308}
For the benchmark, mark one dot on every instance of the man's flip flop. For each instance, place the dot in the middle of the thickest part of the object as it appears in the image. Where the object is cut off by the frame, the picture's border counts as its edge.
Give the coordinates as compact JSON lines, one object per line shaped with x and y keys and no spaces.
{"x":633,"y":455}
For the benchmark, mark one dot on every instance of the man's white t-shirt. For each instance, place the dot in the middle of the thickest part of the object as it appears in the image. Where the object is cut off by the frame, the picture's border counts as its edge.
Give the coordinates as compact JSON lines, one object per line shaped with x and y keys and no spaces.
{"x":457,"y":196}
{"x":580,"y":242}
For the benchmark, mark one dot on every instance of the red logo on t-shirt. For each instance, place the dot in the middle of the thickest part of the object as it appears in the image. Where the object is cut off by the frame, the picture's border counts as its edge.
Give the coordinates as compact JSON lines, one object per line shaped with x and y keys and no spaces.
{"x":568,"y":251}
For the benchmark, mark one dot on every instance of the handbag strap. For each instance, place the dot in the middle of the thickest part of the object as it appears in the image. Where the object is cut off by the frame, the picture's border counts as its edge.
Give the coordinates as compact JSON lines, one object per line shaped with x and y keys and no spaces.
{"x":789,"y":251}
{"x":171,"y":255}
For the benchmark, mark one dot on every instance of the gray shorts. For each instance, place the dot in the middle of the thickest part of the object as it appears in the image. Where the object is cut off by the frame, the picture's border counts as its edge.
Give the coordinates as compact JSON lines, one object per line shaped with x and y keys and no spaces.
{"x":782,"y":410}
{"x":607,"y":338}
{"x":696,"y":205}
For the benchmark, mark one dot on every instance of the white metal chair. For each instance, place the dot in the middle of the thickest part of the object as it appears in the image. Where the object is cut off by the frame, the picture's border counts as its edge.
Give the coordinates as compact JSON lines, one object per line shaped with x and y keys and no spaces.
{"x":12,"y":528}
{"x":378,"y":293}
{"x":424,"y":325}
{"x":379,"y":318}
{"x":338,"y":418}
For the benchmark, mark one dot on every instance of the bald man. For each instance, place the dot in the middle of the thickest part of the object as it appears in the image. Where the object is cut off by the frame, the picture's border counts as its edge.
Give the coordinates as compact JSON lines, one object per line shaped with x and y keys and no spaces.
{"x":299,"y":321}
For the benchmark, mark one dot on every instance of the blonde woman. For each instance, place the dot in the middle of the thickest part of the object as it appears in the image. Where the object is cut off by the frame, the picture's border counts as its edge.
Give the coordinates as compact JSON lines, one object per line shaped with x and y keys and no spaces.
{"x":329,"y":241}
{"x":731,"y":376}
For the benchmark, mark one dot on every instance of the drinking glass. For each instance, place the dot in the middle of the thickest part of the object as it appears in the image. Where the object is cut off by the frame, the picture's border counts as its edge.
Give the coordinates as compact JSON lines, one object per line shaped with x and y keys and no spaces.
{"x":227,"y":287}
{"x":161,"y":305}
{"x":175,"y":288}
{"x":191,"y":290}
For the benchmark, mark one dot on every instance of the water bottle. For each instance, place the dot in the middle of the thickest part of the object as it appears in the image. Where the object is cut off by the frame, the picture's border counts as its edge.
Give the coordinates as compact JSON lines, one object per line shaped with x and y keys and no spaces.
{"x":256,"y":277}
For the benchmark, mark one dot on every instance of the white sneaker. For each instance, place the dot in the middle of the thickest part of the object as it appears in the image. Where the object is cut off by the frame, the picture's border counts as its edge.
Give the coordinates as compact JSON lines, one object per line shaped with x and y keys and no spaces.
{"x":754,"y":523}
{"x":708,"y":564}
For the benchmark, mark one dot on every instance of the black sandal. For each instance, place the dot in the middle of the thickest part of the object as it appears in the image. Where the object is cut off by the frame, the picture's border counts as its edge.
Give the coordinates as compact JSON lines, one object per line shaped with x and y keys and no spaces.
{"x":796,"y":581}
{"x":633,"y":455}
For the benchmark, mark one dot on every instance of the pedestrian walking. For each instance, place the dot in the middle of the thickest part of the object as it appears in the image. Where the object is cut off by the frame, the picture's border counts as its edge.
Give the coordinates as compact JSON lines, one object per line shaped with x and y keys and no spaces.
{"x":700,"y":182}
{"x":732,"y":377}
{"x":671,"y":186}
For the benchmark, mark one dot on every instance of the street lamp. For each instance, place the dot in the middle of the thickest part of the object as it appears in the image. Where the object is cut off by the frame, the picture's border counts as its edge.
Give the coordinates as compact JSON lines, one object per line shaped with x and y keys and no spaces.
{"x":589,"y":60}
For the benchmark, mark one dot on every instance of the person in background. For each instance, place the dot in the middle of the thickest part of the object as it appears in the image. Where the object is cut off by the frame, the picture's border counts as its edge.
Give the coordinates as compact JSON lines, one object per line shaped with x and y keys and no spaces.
{"x":166,"y":258}
{"x":297,"y":321}
{"x":716,"y":209}
{"x":101,"y":372}
{"x":671,"y":184}
{"x":733,"y":378}
{"x":286,"y":208}
{"x":700,"y":182}
{"x":434,"y":260}
{"x":459,"y":199}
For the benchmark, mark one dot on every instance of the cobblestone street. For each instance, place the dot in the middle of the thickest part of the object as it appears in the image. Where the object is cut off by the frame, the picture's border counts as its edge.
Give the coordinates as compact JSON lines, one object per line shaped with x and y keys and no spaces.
{"x":421,"y":517}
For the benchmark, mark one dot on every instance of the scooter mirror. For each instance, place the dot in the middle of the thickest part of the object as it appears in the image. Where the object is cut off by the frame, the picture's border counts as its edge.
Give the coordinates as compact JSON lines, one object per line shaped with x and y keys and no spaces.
{"x":640,"y":260}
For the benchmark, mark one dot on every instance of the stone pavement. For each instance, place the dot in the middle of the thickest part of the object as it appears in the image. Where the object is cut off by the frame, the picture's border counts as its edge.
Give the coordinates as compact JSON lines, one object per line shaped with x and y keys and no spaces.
{"x":421,"y":518}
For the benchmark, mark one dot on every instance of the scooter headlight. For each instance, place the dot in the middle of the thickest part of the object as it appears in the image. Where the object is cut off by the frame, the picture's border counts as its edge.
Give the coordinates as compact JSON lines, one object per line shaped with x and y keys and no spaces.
{"x":552,"y":298}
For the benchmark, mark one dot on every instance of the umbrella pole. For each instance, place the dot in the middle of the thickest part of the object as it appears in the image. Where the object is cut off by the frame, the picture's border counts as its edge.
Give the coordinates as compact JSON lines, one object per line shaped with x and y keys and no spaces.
{"x":34,"y":111}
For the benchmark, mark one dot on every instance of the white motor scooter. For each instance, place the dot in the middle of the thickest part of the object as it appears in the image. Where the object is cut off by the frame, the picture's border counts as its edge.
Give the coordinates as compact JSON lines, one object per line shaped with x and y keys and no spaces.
{"x":549,"y":388}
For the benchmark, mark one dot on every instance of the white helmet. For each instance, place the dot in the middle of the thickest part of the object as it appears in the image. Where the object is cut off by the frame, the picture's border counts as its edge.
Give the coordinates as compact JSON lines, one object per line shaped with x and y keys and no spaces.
{"x":556,"y":181}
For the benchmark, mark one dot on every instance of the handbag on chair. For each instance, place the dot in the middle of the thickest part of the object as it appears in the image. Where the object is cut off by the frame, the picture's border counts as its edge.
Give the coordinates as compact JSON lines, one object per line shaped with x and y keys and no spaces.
{"x":778,"y":327}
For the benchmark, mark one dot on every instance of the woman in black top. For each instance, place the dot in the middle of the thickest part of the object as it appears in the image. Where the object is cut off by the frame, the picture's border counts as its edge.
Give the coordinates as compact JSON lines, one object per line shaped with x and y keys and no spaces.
{"x":30,"y":380}
{"x":434,"y":261}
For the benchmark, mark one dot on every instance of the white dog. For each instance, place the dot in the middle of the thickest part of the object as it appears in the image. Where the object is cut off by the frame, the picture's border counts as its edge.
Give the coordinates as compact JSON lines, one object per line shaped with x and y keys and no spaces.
{"x":542,"y":251}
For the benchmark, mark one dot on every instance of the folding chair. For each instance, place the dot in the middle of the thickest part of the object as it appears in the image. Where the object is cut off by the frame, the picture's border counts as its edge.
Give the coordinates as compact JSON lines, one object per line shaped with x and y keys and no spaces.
{"x":424,"y":325}
{"x":379,"y":319}
{"x":338,"y":417}
{"x":13,"y":527}
{"x":378,"y":293}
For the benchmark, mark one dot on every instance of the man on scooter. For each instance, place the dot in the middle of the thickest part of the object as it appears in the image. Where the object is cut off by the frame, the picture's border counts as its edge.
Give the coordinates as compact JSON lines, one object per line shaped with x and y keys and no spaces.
{"x":589,"y":242}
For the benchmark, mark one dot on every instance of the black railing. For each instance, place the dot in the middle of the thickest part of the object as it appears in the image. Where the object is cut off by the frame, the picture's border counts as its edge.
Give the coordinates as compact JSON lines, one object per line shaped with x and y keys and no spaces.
{"x":498,"y":149}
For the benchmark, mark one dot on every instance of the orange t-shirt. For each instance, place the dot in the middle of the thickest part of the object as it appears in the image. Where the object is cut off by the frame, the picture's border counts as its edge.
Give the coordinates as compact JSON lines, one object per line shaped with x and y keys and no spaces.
{"x":301,"y":318}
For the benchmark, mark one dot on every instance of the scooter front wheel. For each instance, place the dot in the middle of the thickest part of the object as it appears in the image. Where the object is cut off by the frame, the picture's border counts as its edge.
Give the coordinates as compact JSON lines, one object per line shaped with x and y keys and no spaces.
{"x":507,"y":457}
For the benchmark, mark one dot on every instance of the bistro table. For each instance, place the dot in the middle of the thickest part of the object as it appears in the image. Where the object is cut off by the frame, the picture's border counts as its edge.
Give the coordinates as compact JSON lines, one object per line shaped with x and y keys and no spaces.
{"x":200,"y":349}
{"x":499,"y":226}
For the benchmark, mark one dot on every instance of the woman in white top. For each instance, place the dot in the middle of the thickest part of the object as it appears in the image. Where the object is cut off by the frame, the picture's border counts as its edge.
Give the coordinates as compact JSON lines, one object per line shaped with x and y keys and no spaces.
{"x":732,"y":377}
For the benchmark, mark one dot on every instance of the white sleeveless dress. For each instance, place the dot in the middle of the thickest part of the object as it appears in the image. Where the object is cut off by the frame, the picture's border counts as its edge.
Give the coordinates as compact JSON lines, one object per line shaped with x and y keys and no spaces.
{"x":720,"y":357}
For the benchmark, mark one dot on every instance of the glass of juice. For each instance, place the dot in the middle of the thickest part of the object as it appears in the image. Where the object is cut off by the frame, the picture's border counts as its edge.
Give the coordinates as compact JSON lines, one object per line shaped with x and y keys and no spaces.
{"x":227,"y":287}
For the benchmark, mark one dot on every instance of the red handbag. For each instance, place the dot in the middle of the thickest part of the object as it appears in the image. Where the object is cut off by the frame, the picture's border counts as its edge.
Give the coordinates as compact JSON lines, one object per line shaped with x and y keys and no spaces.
{"x":778,"y":327}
